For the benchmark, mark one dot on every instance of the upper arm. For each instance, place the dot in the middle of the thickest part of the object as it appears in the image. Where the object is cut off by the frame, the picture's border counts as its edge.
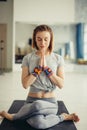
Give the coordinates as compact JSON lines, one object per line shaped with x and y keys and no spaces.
{"x":25,"y":67}
{"x":60,"y":68}
{"x":60,"y":72}
{"x":25,"y":73}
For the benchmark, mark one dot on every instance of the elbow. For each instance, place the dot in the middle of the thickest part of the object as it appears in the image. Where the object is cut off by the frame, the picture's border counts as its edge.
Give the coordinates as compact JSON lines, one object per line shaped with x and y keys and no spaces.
{"x":61,"y":85}
{"x":25,"y":86}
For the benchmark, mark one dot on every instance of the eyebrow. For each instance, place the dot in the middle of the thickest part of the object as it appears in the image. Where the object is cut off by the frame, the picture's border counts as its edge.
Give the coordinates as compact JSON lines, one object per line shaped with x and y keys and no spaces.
{"x":40,"y":37}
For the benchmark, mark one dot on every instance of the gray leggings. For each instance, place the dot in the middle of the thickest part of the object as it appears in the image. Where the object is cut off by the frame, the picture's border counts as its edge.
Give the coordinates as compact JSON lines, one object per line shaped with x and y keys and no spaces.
{"x":39,"y":113}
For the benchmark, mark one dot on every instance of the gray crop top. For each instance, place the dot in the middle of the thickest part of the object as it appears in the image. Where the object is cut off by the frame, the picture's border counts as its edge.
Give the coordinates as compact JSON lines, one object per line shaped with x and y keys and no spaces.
{"x":42,"y":83}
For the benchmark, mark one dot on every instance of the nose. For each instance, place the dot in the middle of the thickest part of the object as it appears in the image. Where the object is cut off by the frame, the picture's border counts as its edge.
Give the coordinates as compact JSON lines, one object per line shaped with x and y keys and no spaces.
{"x":42,"y":42}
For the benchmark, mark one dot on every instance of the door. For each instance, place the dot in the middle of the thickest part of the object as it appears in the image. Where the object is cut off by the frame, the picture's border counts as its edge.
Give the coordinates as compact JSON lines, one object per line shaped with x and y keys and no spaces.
{"x":3,"y":34}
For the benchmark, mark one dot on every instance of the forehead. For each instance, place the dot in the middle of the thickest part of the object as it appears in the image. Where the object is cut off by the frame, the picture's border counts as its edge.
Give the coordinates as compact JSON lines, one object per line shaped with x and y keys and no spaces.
{"x":42,"y":34}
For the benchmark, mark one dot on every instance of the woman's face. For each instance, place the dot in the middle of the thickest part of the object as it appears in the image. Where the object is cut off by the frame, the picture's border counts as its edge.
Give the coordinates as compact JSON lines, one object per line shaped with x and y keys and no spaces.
{"x":43,"y":40}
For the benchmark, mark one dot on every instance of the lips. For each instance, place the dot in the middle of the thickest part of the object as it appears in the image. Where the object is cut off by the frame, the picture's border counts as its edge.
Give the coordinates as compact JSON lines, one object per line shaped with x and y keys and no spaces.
{"x":42,"y":46}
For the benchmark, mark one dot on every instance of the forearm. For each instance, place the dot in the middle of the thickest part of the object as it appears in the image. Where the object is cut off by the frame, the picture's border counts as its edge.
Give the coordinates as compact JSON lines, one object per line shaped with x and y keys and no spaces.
{"x":28,"y":80}
{"x":58,"y":81}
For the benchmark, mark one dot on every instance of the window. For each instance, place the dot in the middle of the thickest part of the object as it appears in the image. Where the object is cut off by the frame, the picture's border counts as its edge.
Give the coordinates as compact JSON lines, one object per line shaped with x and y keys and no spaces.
{"x":85,"y":41}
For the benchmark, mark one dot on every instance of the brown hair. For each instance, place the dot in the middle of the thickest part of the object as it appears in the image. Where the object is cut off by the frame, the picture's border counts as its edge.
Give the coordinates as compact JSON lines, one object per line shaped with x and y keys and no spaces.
{"x":41,"y":28}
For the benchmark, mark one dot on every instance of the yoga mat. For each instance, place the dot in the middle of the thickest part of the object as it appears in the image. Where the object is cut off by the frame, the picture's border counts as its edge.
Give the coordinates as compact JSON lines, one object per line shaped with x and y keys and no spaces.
{"x":22,"y":125}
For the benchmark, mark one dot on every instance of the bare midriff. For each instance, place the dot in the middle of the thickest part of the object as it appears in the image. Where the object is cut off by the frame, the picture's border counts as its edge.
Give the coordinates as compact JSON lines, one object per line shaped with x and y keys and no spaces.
{"x":42,"y":94}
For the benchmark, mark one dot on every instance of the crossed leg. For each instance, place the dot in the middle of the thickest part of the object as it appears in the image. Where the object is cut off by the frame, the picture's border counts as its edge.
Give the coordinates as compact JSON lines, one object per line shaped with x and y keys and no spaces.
{"x":39,"y":107}
{"x":34,"y":107}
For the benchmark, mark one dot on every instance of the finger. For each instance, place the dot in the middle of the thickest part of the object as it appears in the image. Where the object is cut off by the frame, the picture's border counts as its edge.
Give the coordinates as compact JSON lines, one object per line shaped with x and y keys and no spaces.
{"x":43,"y":52}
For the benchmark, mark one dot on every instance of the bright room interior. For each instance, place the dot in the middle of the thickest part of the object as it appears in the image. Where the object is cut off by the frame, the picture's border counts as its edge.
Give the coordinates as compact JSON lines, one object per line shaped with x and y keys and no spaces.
{"x":68,"y":19}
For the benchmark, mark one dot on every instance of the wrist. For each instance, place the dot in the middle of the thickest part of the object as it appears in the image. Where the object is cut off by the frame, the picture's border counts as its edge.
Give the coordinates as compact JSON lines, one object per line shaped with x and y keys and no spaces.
{"x":48,"y":71}
{"x":37,"y":71}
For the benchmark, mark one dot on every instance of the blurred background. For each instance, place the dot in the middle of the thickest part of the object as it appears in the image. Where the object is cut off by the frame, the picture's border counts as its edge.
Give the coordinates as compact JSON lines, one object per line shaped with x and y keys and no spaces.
{"x":68,"y":20}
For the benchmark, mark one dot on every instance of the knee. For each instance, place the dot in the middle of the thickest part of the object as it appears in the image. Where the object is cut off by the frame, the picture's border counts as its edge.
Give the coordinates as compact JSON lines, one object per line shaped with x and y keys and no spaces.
{"x":37,"y":122}
{"x":40,"y":124}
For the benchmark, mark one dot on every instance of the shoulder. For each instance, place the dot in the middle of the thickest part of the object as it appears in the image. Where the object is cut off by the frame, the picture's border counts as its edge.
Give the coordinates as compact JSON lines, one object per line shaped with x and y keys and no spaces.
{"x":26,"y":59}
{"x":58,"y":58}
{"x":28,"y":55}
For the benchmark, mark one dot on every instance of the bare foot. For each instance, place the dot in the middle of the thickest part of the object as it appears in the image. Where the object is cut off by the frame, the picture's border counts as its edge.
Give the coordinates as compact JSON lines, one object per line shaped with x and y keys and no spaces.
{"x":6,"y":115}
{"x":1,"y":117}
{"x":72,"y":116}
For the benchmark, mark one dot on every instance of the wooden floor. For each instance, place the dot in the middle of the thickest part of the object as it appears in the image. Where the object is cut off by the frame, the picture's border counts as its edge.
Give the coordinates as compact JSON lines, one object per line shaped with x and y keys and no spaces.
{"x":74,"y":93}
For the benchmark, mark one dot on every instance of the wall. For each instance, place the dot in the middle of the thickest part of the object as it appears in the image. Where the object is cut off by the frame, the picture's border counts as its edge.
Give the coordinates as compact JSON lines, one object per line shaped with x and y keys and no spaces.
{"x":44,"y":11}
{"x":6,"y":16}
{"x":65,"y":33}
{"x":24,"y":32}
{"x":81,"y":11}
{"x":49,"y":11}
{"x":38,"y":12}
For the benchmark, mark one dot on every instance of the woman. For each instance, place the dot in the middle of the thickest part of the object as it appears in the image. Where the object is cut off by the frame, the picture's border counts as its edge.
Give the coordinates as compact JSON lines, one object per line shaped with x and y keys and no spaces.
{"x":42,"y":72}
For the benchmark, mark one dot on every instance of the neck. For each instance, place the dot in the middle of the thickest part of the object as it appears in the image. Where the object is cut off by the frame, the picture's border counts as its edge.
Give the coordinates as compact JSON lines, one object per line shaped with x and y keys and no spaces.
{"x":38,"y":52}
